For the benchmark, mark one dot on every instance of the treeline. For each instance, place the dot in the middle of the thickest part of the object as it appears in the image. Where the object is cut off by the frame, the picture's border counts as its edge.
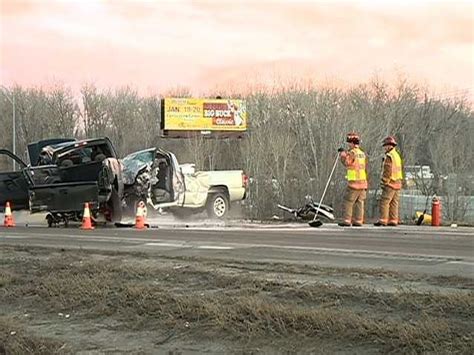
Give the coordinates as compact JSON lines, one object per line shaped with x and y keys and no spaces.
{"x":293,"y":135}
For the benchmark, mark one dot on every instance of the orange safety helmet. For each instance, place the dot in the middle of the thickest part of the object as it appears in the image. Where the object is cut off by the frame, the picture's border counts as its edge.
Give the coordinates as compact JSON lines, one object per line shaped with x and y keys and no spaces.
{"x":390,"y":140}
{"x":353,"y":137}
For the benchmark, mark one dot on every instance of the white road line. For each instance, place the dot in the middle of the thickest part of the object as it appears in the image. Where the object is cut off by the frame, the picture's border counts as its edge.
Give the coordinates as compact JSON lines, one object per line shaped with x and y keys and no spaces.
{"x":240,"y":229}
{"x":181,"y":245}
{"x":461,"y":262}
{"x":87,"y":237}
{"x":331,"y":229}
{"x":340,"y":251}
{"x":175,"y":245}
{"x":178,"y":244}
{"x":379,"y":253}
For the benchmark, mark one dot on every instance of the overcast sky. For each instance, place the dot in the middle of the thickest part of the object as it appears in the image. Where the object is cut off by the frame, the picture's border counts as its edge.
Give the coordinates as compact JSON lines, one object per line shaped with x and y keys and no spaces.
{"x":156,"y":45}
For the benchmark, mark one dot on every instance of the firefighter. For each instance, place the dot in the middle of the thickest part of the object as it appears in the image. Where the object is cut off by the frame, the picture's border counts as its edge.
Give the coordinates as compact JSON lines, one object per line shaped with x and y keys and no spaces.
{"x":355,"y":162}
{"x":392,"y":178}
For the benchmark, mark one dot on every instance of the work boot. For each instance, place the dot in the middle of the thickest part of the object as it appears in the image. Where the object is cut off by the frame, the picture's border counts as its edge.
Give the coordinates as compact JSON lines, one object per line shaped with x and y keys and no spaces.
{"x":344,"y":224}
{"x":356,"y":224}
{"x":379,"y":224}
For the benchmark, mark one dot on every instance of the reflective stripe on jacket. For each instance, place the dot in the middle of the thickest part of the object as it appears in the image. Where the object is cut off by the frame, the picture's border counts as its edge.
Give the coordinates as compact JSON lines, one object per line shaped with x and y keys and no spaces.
{"x":393,"y":175}
{"x":356,"y":169}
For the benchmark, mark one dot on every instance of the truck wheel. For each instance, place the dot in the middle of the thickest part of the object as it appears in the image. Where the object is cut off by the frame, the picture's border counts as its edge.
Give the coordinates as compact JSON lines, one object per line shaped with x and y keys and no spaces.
{"x":105,"y":178}
{"x":50,"y":220}
{"x":115,"y":205}
{"x":217,"y":205}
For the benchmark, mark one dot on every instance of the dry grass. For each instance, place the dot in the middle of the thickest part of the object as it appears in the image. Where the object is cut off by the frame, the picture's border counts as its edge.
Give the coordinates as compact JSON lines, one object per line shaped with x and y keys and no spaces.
{"x":212,"y":301}
{"x":15,"y":340}
{"x":455,"y":281}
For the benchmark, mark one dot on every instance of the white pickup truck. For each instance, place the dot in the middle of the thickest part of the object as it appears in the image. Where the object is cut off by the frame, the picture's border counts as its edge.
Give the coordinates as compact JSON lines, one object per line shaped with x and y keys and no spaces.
{"x":155,"y":176}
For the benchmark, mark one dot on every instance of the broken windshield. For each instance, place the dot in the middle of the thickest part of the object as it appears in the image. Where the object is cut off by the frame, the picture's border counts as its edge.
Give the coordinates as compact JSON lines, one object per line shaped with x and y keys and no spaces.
{"x":135,"y":162}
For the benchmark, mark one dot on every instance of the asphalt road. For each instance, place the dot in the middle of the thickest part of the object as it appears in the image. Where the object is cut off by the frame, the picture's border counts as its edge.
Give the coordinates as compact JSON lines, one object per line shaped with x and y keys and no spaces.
{"x":423,"y":249}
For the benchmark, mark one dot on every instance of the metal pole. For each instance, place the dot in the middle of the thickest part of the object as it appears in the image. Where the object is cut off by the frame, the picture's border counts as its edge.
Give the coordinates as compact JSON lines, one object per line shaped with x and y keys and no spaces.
{"x":14,"y":133}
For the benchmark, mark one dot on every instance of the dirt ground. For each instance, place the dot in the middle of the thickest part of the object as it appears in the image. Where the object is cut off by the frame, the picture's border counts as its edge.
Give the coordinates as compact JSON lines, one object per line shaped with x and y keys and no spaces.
{"x":93,"y":302}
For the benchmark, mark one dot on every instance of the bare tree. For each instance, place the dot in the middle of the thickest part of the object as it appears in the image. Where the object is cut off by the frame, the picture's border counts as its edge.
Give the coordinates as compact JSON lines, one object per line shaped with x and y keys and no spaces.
{"x":94,"y":116}
{"x":294,"y":132}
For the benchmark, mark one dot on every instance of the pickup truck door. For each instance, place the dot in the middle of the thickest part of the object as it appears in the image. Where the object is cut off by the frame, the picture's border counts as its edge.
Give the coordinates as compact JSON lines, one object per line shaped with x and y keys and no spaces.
{"x":197,"y":188}
{"x":13,"y":184}
{"x":177,"y":178}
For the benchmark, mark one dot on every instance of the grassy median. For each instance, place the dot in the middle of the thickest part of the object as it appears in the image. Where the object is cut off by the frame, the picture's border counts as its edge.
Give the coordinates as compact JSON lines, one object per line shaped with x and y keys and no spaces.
{"x":189,"y":303}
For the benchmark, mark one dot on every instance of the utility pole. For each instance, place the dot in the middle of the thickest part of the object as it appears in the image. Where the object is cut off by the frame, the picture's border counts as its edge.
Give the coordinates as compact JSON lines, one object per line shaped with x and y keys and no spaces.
{"x":9,"y":95}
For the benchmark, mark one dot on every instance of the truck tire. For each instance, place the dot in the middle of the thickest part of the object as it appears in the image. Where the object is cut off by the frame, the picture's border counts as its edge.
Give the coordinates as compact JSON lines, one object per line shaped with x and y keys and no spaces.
{"x":105,"y":178}
{"x":217,"y":206}
{"x":115,"y":205}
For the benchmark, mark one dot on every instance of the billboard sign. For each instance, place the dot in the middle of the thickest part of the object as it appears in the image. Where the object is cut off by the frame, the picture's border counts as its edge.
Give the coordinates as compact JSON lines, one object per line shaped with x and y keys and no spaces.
{"x":206,"y":115}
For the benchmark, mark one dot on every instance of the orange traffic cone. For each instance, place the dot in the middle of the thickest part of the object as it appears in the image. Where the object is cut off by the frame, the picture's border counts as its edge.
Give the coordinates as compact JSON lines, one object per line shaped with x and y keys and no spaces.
{"x":8,"y":222}
{"x":86,"y":218}
{"x":141,"y":216}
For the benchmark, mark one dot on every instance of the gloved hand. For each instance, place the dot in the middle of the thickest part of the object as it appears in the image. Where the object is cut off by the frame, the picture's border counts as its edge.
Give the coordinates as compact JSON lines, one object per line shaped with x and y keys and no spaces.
{"x":340,"y":149}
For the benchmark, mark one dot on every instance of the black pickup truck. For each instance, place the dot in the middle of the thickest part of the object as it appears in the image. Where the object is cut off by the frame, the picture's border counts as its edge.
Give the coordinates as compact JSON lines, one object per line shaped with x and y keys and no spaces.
{"x":61,"y":176}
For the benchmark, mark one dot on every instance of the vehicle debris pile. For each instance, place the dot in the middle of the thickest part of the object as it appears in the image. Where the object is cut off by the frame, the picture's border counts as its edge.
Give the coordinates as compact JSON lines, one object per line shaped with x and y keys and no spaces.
{"x":307,"y":212}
